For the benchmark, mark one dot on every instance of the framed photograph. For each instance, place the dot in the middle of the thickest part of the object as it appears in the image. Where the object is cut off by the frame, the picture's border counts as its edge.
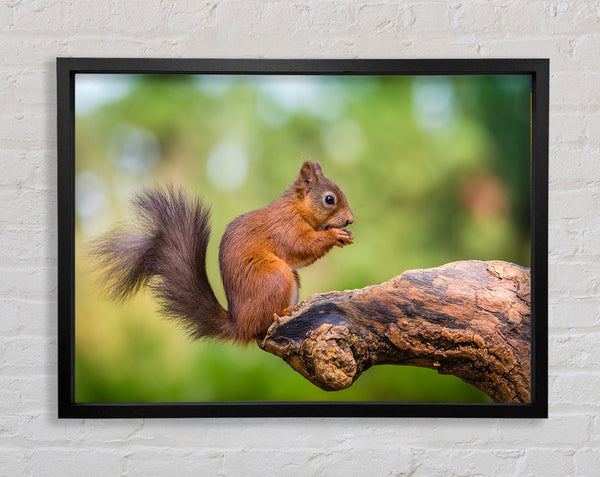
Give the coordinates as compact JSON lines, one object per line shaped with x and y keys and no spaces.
{"x":302,"y":237}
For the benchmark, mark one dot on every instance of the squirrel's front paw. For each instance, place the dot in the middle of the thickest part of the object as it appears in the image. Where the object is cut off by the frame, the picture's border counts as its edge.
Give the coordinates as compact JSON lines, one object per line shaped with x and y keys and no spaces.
{"x":342,"y":237}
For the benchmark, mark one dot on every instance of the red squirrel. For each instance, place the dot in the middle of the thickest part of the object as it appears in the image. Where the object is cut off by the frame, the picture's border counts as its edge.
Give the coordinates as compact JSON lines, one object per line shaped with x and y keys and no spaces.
{"x":258,"y":256}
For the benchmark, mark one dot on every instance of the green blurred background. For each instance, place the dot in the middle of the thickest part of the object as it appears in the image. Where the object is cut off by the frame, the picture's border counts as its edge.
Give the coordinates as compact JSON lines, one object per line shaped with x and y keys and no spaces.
{"x":435,"y":169}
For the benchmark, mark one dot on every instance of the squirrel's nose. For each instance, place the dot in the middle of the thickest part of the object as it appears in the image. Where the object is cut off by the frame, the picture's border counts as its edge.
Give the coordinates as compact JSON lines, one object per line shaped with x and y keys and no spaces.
{"x":350,"y":220}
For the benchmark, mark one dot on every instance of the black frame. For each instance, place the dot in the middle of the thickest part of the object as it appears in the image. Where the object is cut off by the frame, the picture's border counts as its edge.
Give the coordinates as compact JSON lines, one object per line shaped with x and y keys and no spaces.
{"x":66,"y":70}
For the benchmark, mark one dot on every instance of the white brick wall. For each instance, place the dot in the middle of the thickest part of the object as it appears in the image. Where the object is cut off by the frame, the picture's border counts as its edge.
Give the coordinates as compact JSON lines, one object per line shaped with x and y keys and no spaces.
{"x":33,"y":33}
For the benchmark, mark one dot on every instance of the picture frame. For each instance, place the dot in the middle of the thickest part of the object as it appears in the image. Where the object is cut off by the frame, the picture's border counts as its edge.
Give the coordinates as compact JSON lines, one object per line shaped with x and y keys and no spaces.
{"x":67,"y":71}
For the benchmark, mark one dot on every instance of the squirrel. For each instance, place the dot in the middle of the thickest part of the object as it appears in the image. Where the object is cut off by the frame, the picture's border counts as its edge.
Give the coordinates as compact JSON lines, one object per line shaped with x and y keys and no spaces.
{"x":259,"y":254}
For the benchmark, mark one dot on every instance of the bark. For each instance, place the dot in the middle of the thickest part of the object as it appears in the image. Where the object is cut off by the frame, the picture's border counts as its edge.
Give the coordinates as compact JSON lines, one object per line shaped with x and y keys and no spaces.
{"x":470,"y":319}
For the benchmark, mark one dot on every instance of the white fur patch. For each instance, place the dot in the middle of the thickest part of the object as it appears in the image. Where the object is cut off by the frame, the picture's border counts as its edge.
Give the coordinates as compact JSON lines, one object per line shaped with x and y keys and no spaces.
{"x":295,"y":295}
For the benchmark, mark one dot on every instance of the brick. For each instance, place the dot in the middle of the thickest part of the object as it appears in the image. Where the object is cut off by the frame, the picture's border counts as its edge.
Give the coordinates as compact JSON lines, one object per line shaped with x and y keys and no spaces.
{"x":25,"y":207}
{"x":25,"y":395}
{"x":35,"y":87}
{"x":467,"y":433}
{"x":262,"y":18}
{"x":318,"y":461}
{"x":15,"y":462}
{"x":515,"y":18}
{"x":547,"y":462}
{"x":577,"y":279}
{"x":339,"y":433}
{"x":511,"y":434}
{"x":22,"y":247}
{"x":595,"y":431}
{"x":136,"y":16}
{"x":67,"y":461}
{"x":44,"y":15}
{"x":271,"y":15}
{"x":587,"y":461}
{"x":8,"y":79}
{"x":20,"y":316}
{"x":593,"y":129}
{"x":21,"y":126}
{"x":575,"y":388}
{"x":431,"y":16}
{"x":34,"y":169}
{"x":574,"y":166}
{"x":568,"y":127}
{"x":578,"y":17}
{"x":407,"y":46}
{"x":358,"y":461}
{"x":6,"y":15}
{"x":564,"y":241}
{"x":88,"y":15}
{"x":163,"y":461}
{"x":27,"y":50}
{"x":128,"y":46}
{"x":333,"y":16}
{"x":441,"y":462}
{"x":27,"y":283}
{"x":577,"y":351}
{"x":162,"y":432}
{"x":25,"y":429}
{"x":574,"y":204}
{"x":379,"y":17}
{"x":176,"y":17}
{"x":585,"y":49}
{"x":513,"y":44}
{"x":573,"y":312}
{"x":591,"y":239}
{"x":551,"y":18}
{"x":31,"y":355}
{"x":108,"y":432}
{"x":294,"y":461}
{"x":120,"y":47}
{"x":574,"y":87}
{"x":482,"y":15}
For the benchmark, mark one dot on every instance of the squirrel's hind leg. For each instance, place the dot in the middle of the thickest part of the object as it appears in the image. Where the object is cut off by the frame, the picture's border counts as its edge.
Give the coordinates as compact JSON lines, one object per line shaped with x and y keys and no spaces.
{"x":278,"y":289}
{"x":294,"y":301}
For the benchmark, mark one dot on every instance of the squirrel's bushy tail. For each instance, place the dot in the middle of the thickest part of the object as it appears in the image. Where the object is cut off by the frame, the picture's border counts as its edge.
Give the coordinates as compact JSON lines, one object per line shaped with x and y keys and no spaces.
{"x":166,"y":250}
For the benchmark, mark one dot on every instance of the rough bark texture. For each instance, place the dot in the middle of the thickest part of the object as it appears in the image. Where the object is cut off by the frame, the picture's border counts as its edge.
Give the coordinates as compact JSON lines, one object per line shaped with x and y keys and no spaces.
{"x":470,"y":319}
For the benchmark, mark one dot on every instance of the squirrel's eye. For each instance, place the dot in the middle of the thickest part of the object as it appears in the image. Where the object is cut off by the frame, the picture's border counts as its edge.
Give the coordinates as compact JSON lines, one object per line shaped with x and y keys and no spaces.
{"x":329,"y":199}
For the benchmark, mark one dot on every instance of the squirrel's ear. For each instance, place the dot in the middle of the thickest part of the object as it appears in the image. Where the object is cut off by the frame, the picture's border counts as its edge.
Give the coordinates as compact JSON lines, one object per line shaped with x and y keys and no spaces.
{"x":309,"y":175}
{"x":318,"y":169}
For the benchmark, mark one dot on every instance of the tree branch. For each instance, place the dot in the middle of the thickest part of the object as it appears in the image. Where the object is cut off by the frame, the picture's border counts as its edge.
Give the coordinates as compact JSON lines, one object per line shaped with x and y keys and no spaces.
{"x":470,"y":319}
